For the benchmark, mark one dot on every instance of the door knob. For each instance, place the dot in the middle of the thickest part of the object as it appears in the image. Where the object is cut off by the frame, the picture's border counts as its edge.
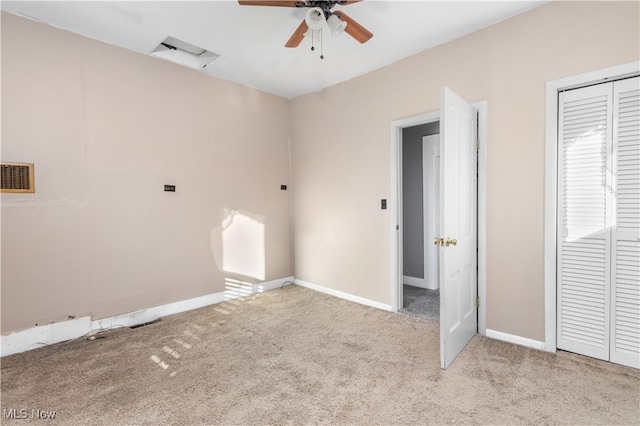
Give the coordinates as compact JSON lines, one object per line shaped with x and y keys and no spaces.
{"x":438,"y":242}
{"x":451,"y":242}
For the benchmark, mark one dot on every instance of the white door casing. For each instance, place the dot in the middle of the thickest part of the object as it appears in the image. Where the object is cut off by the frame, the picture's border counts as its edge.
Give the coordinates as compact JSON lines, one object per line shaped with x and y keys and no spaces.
{"x":458,"y":198}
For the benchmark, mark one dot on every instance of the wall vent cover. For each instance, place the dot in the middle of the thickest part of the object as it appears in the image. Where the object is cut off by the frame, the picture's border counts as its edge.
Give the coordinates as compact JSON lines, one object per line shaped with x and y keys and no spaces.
{"x":17,"y":177}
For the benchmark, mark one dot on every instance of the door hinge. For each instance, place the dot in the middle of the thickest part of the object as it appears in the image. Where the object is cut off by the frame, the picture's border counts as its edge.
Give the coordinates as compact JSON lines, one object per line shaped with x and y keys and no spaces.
{"x":477,"y":301}
{"x":477,"y":144}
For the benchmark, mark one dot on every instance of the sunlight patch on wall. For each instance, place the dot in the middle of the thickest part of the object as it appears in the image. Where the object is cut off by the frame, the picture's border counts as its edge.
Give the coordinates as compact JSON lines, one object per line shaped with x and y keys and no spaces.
{"x":243,"y":246}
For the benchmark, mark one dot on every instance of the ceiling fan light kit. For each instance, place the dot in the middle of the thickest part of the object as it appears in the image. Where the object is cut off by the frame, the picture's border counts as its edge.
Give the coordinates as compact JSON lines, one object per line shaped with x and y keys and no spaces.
{"x":318,"y":17}
{"x":315,"y":18}
{"x":336,"y":26}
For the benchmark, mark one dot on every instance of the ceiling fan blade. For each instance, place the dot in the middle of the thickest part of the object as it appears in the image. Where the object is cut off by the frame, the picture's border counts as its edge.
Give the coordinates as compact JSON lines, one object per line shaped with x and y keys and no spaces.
{"x":298,"y":35}
{"x":272,"y":3}
{"x":348,"y":2}
{"x":354,"y":29}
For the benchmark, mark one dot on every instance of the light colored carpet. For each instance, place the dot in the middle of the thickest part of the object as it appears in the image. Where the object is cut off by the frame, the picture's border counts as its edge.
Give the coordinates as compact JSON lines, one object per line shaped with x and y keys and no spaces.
{"x":294,"y":356}
{"x":421,"y":302}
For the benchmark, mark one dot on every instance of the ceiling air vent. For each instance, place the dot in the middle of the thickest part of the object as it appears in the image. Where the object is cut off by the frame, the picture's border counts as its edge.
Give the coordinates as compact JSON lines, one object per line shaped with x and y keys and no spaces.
{"x":17,"y":177}
{"x":183,"y":53}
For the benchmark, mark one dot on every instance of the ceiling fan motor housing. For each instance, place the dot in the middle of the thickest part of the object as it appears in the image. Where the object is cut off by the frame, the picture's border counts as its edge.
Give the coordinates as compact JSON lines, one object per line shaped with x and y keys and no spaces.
{"x":325,"y":6}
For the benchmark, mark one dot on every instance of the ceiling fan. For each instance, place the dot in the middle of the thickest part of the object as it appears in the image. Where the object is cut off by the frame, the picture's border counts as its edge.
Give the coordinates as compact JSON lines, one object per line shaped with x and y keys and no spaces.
{"x":319,"y":12}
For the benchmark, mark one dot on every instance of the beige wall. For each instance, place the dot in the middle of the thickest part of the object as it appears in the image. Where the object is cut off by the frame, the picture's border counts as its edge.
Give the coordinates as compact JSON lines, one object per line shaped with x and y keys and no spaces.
{"x":342,"y":157}
{"x":106,"y":129}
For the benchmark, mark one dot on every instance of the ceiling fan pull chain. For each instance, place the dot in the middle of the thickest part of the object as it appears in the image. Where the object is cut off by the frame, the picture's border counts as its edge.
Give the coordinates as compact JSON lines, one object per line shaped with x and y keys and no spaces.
{"x":321,"y":46}
{"x":313,"y":33}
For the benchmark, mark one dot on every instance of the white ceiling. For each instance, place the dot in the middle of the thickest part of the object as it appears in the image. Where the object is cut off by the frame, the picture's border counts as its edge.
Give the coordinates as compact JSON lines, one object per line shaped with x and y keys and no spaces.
{"x":251,"y":39}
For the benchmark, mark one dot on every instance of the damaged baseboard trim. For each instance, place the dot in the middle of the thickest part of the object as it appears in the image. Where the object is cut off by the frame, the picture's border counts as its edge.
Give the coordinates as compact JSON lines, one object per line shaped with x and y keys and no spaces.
{"x":33,"y":338}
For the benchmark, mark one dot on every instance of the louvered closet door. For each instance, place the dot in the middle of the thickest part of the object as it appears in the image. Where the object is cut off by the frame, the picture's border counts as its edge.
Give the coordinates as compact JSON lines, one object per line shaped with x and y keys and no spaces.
{"x":584,"y":218}
{"x":625,"y":320}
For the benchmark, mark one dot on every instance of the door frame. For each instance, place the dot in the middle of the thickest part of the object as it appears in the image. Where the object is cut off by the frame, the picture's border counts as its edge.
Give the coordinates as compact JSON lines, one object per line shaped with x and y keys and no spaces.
{"x":395,"y":223}
{"x":551,"y":179}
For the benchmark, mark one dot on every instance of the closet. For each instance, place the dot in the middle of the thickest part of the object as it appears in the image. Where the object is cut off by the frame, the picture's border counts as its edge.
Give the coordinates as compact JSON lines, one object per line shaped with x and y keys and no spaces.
{"x":598,"y":269}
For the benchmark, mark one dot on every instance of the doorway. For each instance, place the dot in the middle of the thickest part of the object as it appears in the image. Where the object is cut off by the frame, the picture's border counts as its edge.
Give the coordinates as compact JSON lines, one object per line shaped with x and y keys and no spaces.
{"x":396,"y":219}
{"x":420,"y":195}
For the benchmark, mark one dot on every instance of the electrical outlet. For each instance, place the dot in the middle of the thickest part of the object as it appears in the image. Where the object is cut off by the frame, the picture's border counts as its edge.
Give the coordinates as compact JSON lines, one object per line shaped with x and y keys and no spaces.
{"x":170,"y":188}
{"x":383,"y":204}
{"x":283,"y":187}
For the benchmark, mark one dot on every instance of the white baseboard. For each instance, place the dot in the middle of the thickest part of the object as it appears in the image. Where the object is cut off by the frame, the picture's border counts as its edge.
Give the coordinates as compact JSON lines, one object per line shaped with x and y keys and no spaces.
{"x":518,"y":340}
{"x":419,"y":282}
{"x":34,"y":337}
{"x":342,"y":295}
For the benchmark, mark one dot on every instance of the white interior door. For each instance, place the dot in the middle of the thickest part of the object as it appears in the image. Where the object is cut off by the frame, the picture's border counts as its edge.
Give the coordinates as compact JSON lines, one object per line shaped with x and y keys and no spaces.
{"x":625,"y":292}
{"x":458,"y":225}
{"x":585,"y":220}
